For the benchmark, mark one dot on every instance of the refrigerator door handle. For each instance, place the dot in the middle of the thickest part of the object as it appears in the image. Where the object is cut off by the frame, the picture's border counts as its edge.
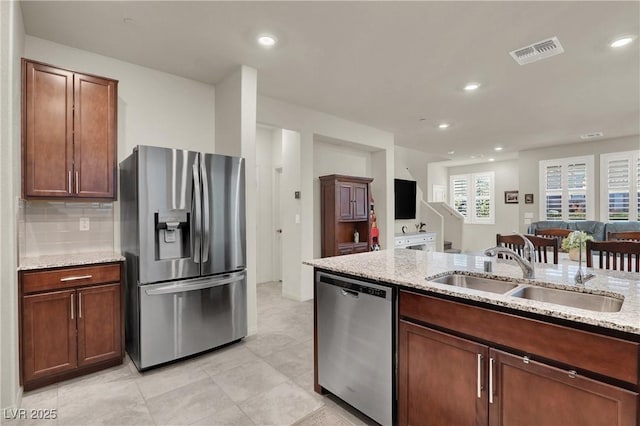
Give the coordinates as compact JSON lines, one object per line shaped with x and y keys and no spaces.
{"x":182,"y":287}
{"x":205,"y":209}
{"x":195,"y":246}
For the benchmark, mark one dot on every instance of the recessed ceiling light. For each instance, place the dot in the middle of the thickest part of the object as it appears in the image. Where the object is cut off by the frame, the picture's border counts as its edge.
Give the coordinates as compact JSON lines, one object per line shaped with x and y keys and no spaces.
{"x":451,"y":152}
{"x":592,"y":135}
{"x":470,"y":87}
{"x":622,"y":41}
{"x":492,"y":159}
{"x":443,"y":125}
{"x":498,"y":148}
{"x":267,"y":40}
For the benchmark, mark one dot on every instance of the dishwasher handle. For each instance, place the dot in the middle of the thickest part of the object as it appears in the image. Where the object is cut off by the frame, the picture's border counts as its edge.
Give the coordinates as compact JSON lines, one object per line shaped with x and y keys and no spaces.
{"x":351,"y":293}
{"x":355,"y":288}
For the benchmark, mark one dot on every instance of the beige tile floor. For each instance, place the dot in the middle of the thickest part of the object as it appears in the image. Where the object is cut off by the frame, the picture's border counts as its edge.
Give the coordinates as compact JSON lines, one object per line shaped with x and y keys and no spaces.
{"x":266,"y":379}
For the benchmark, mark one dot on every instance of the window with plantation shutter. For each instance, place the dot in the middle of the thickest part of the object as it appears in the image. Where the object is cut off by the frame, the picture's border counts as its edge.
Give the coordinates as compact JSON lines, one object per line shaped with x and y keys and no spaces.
{"x":619,"y":183}
{"x":460,"y":194}
{"x":473,"y":196}
{"x":565,"y":186}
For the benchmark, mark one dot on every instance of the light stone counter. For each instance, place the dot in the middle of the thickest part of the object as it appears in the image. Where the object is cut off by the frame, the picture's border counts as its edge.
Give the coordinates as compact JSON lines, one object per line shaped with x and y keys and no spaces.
{"x":62,"y":260}
{"x":413,"y":268}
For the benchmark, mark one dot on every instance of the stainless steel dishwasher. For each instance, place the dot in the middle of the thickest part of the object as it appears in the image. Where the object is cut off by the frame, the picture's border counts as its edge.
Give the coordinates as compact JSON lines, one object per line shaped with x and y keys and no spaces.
{"x":356,"y":343}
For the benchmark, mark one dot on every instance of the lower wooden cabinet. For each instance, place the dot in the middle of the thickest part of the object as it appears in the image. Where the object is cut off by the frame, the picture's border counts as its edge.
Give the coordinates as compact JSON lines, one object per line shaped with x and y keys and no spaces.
{"x":70,"y":322}
{"x":99,"y":324}
{"x":538,"y":394}
{"x":439,"y":378}
{"x":48,"y":334}
{"x":448,"y":379}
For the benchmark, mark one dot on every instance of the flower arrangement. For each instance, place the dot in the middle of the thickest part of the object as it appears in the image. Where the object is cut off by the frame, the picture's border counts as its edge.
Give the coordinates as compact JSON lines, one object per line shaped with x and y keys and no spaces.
{"x":574,"y":239}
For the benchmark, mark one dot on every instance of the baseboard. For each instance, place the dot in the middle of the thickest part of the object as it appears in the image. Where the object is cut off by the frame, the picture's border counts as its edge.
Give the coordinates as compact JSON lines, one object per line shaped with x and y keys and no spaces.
{"x":16,"y":404}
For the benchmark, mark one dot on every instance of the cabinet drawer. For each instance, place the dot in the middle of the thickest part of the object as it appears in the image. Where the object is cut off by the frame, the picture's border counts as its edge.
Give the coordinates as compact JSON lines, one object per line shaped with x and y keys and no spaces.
{"x":69,"y":277}
{"x":580,"y":349}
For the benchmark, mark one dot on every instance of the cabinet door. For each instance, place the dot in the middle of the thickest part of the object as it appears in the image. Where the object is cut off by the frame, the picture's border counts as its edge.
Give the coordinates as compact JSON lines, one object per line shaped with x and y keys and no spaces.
{"x":537,"y":394}
{"x":345,"y":201}
{"x":94,"y":137}
{"x":442,"y":379}
{"x":360,"y":201}
{"x":48,"y":334}
{"x":99,"y":324}
{"x":48,"y":131}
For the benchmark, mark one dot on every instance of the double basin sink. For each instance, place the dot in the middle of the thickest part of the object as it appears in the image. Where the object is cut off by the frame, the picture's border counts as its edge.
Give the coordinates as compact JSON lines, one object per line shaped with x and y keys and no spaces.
{"x":588,"y":301}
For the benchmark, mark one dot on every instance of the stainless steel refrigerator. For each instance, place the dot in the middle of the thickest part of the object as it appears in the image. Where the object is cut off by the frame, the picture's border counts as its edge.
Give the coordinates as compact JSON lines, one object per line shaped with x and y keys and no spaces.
{"x":183,"y":236}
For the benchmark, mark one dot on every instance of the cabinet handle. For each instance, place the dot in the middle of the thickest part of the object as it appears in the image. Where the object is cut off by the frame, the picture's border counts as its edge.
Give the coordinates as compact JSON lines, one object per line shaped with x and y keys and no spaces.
{"x":79,"y":305}
{"x":72,"y":306}
{"x":79,"y":277}
{"x":69,"y":184}
{"x":479,"y":383}
{"x":77,"y":181}
{"x":491,"y":362}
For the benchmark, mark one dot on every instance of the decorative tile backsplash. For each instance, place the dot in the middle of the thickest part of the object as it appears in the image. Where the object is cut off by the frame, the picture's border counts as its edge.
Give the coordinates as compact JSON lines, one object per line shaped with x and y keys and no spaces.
{"x":53,"y":227}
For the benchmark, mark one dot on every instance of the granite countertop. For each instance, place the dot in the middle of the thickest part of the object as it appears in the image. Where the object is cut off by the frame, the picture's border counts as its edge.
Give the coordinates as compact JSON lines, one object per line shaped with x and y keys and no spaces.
{"x":413,"y":268}
{"x":61,"y":260}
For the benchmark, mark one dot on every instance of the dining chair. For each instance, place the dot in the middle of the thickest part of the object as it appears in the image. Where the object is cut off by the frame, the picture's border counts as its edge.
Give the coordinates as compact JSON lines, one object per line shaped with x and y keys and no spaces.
{"x":557,"y":233}
{"x":612,"y":255}
{"x":541,"y":244}
{"x":623,"y":236}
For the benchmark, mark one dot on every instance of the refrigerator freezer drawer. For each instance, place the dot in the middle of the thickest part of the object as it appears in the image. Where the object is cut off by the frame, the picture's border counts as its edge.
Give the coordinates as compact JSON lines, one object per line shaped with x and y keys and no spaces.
{"x":182,"y":318}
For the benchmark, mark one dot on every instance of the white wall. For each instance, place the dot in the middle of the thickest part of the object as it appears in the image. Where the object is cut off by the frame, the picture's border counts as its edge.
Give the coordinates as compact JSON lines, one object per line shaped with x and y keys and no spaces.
{"x":329,"y":159}
{"x":528,"y":165}
{"x":11,"y":48}
{"x":437,"y":174}
{"x":291,"y":208}
{"x":154,"y":108}
{"x":266,"y":229}
{"x":309,"y":123}
{"x":476,"y":237}
{"x":236,"y":135}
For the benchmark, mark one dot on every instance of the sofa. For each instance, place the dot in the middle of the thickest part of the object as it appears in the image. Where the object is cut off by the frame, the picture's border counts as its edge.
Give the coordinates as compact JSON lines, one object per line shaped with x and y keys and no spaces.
{"x":599,"y":230}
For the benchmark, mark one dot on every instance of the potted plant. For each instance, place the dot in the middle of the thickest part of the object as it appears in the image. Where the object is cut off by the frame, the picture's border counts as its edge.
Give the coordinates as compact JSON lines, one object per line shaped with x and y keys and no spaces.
{"x":573,"y":242}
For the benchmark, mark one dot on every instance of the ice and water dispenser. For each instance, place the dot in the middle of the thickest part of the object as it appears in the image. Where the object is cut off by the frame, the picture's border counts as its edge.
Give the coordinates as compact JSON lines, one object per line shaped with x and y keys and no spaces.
{"x":173,"y":239}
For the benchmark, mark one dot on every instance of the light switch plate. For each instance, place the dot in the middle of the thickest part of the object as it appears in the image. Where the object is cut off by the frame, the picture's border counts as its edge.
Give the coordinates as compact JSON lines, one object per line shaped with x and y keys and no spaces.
{"x":297,"y":218}
{"x":528,"y":215}
{"x":527,"y":221}
{"x":84,"y":224}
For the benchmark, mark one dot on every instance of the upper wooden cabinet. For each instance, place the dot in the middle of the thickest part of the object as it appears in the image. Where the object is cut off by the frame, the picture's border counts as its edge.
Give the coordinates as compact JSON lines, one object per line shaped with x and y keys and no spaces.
{"x":345,"y":209}
{"x":69,"y":133}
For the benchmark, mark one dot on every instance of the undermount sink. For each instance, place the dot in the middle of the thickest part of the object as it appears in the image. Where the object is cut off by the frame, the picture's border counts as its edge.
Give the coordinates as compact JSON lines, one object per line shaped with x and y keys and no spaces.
{"x":591,"y":302}
{"x":476,"y":283}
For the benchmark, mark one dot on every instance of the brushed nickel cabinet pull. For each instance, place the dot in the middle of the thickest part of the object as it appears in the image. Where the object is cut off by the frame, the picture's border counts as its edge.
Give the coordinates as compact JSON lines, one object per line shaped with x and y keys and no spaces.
{"x":69,"y":183}
{"x":72,"y":306}
{"x":79,"y":305}
{"x":479,"y":380}
{"x":491,"y":362}
{"x":77,"y":181}
{"x":79,"y":277}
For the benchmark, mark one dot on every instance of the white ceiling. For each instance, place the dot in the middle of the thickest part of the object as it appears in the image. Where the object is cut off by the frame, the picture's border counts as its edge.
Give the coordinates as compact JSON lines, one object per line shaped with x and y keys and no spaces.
{"x":390,"y":64}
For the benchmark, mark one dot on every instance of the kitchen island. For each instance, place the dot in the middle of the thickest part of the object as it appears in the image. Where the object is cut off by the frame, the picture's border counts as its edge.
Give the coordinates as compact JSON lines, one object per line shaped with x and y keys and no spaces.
{"x":470,"y":356}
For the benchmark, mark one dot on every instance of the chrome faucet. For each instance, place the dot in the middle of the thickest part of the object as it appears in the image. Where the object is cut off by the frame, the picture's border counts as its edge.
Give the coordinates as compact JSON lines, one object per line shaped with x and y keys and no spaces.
{"x":580,"y":277}
{"x":527,"y":261}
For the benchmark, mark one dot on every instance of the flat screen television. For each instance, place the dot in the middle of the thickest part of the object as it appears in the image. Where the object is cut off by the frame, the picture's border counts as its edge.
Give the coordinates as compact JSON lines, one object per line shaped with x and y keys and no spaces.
{"x":405,"y":199}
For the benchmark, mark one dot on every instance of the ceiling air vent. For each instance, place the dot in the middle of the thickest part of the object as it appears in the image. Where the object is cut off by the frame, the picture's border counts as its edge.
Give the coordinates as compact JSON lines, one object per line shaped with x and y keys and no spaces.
{"x":537,"y":51}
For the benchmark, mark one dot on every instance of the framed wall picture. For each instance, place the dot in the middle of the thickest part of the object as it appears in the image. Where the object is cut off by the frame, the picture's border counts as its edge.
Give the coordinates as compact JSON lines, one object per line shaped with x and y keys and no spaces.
{"x":511,"y":197}
{"x":528,"y":198}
